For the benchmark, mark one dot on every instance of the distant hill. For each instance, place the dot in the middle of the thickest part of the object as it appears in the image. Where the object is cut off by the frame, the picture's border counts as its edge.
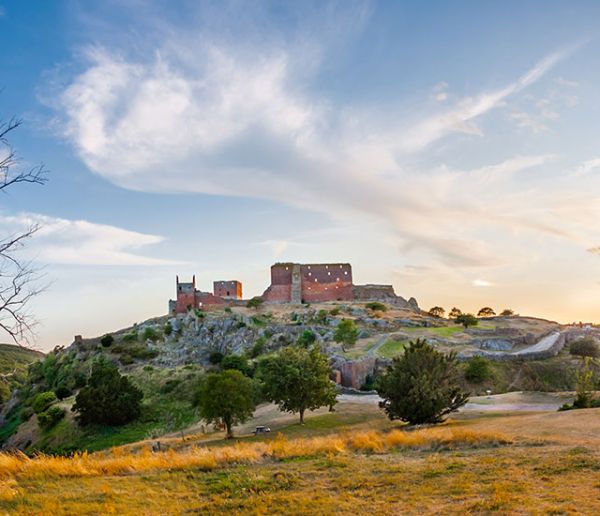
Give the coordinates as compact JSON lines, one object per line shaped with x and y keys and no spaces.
{"x":15,"y":357}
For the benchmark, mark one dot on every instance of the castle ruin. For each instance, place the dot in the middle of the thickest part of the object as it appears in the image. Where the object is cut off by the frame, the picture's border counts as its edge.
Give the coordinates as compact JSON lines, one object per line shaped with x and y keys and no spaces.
{"x":293,"y":283}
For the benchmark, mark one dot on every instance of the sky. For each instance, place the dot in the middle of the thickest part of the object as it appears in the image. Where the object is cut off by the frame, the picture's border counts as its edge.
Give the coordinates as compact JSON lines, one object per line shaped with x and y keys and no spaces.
{"x":447,"y":148}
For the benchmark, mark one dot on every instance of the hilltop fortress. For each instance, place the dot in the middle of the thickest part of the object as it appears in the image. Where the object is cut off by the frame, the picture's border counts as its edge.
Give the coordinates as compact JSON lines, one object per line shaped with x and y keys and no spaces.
{"x":292,"y":283}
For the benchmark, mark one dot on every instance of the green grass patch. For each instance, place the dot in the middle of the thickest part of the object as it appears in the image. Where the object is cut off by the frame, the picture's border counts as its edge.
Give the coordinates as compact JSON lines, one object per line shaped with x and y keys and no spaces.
{"x":392,"y":348}
{"x":446,"y":331}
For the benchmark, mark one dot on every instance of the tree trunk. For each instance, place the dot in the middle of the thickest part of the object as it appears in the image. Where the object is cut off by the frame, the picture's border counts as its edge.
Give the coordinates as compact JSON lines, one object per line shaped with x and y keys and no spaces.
{"x":302,"y":416}
{"x":229,"y":429}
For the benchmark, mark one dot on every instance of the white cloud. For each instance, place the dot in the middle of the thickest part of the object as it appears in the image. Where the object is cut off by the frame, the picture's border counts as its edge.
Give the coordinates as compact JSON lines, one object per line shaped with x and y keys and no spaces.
{"x":586,"y":167}
{"x":79,"y":242}
{"x":245,"y":124}
{"x":482,"y":283}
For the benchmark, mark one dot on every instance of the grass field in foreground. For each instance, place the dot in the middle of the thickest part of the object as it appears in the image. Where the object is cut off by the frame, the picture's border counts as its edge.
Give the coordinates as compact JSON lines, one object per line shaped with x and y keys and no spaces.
{"x":507,"y":463}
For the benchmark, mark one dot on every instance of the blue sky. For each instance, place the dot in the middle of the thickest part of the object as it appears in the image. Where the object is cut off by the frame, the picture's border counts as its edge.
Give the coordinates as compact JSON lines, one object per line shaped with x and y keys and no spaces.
{"x":449,"y":148}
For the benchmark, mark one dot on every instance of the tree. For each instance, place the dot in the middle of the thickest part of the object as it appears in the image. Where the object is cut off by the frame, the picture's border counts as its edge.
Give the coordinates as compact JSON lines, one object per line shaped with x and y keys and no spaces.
{"x":586,"y":384}
{"x":437,"y":311}
{"x":297,"y":379}
{"x":585,"y":347}
{"x":107,"y":340}
{"x":486,"y":311}
{"x":454,"y":313}
{"x":227,"y":396}
{"x":421,"y":386}
{"x":466,"y":320}
{"x":18,"y":278}
{"x":507,"y":312}
{"x":346,"y":333}
{"x":108,"y":397}
{"x":478,"y":370}
{"x":255,"y":302}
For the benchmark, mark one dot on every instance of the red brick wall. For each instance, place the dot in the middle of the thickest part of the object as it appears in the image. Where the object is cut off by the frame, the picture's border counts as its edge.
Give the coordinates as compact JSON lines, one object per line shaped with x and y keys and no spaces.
{"x":326,"y":282}
{"x":228,"y":289}
{"x":280,"y":290}
{"x":184,"y":300}
{"x":320,"y":282}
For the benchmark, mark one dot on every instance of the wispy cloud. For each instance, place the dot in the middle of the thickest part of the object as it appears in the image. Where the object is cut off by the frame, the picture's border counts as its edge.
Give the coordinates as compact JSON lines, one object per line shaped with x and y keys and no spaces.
{"x":80,"y":242}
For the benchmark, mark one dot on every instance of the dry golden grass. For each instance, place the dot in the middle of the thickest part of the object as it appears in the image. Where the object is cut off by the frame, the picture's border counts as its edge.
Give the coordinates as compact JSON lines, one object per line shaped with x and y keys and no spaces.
{"x":119,"y":461}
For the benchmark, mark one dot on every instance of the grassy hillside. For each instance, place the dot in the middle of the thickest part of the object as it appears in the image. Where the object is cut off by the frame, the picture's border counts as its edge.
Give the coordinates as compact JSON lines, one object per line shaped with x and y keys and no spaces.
{"x":16,"y":358}
{"x":507,"y":462}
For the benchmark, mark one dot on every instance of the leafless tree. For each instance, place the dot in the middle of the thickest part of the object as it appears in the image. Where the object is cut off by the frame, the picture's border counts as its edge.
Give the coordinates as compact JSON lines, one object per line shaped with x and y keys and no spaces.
{"x":18,"y":277}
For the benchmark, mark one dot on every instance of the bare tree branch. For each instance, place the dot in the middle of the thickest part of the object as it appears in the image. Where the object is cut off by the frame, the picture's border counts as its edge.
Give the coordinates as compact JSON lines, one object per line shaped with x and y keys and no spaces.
{"x":18,"y":279}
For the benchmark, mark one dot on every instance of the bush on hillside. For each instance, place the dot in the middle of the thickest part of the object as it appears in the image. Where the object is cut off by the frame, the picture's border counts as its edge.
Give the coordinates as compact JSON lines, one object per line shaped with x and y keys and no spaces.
{"x":255,"y":302}
{"x":168,"y":329}
{"x":585,"y":347}
{"x":259,"y":347}
{"x":376,"y":306}
{"x":421,"y":386}
{"x":107,"y":340}
{"x":150,"y":333}
{"x":108,"y":398}
{"x":132,"y":336}
{"x":346,"y":333}
{"x":42,"y":401}
{"x":50,"y":417}
{"x":437,"y":311}
{"x":306,"y":339}
{"x":215,"y":357}
{"x":237,"y":362}
{"x":62,"y":392}
{"x":478,"y":370}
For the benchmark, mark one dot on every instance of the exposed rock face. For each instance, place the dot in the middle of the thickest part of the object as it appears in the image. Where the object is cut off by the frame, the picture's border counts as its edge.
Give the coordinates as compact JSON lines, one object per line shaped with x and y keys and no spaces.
{"x":354,"y":373}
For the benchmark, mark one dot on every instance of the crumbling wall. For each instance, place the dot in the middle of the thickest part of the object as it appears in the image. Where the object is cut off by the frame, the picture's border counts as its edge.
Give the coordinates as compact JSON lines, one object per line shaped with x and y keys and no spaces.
{"x":326,"y":282}
{"x":229,"y":289}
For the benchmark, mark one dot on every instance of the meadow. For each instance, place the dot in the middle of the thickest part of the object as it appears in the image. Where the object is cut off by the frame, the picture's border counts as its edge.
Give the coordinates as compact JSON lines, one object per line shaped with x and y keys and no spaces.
{"x":475,"y":463}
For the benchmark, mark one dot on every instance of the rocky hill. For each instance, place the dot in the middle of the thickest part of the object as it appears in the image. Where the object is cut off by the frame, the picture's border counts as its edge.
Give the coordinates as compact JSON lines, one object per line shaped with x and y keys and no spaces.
{"x":165,"y":357}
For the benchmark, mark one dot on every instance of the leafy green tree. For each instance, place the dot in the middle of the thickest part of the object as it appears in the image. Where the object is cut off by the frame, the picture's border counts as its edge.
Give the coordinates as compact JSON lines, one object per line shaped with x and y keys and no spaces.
{"x":486,"y":311}
{"x":466,"y":320}
{"x":306,"y":339}
{"x":585,"y":347}
{"x":107,"y":340}
{"x":421,"y":386}
{"x":237,"y":362}
{"x":454,"y":313}
{"x":228,"y":396}
{"x":297,"y":379}
{"x":255,"y":302}
{"x":507,"y":312}
{"x":108,"y":398}
{"x":478,"y":370}
{"x":346,"y":333}
{"x":4,"y":392}
{"x":436,"y":311}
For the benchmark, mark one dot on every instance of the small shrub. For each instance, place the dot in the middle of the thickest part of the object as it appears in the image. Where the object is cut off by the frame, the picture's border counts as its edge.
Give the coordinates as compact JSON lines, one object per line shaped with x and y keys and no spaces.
{"x":306,"y":339}
{"x":346,"y":333}
{"x":126,"y":359}
{"x":215,"y":357}
{"x":478,"y":370}
{"x":257,"y":321}
{"x":321,"y":317}
{"x":150,"y":334}
{"x":259,"y":347}
{"x":26,"y":413}
{"x":132,"y":336}
{"x":585,"y":347}
{"x":376,"y":306}
{"x":51,"y":417}
{"x":62,"y":392}
{"x":335,"y":311}
{"x":255,"y":302}
{"x":42,"y":401}
{"x":507,"y":312}
{"x":227,"y":310}
{"x":199,"y":313}
{"x":237,"y":362}
{"x":107,"y":340}
{"x":168,"y":329}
